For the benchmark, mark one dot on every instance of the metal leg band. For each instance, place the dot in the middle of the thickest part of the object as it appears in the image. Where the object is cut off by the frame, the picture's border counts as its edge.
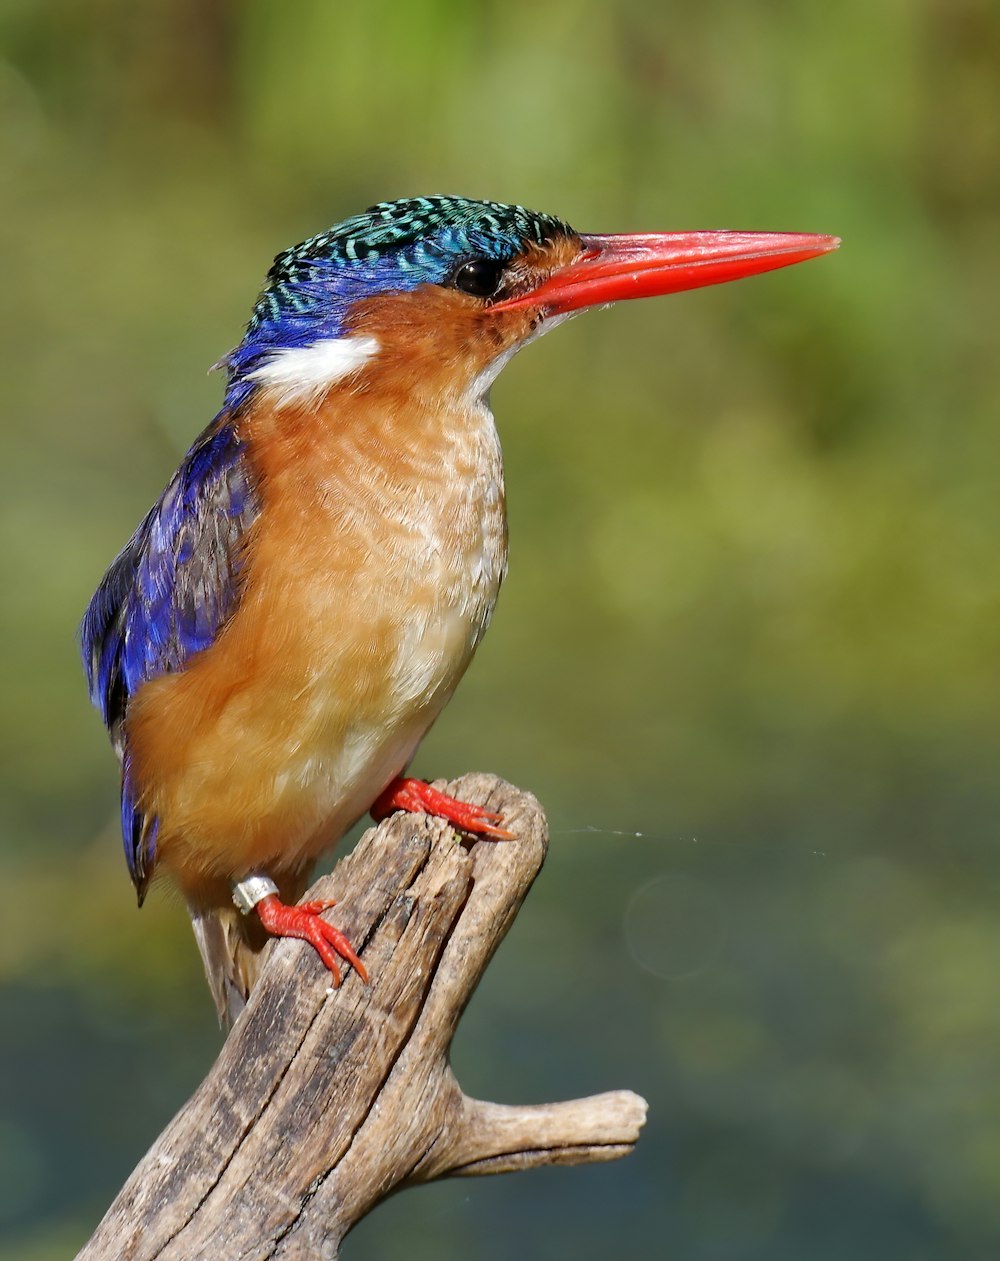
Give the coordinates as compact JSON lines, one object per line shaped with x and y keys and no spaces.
{"x":247,"y":893}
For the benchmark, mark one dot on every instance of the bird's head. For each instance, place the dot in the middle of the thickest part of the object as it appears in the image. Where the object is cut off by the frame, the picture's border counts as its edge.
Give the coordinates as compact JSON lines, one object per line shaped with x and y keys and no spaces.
{"x":437,"y":293}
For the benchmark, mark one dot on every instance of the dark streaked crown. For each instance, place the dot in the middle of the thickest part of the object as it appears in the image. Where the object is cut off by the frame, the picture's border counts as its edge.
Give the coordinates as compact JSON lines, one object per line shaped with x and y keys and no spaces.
{"x":397,"y":244}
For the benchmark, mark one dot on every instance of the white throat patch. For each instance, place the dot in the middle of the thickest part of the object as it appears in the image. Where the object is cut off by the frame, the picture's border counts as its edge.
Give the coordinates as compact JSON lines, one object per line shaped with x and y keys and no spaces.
{"x":302,"y":373}
{"x":479,"y":387}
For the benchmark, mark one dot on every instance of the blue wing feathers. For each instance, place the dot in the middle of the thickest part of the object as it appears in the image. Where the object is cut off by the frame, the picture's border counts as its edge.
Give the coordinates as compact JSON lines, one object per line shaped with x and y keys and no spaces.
{"x":138,"y":833}
{"x":167,"y":596}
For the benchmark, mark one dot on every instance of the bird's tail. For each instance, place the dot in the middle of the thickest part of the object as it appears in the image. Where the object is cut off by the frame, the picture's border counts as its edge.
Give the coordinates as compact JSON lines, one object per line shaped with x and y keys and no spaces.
{"x":231,"y":948}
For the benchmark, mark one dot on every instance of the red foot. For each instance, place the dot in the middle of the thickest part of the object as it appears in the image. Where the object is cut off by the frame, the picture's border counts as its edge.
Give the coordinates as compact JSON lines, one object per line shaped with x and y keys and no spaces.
{"x":421,"y":798}
{"x":303,"y":921}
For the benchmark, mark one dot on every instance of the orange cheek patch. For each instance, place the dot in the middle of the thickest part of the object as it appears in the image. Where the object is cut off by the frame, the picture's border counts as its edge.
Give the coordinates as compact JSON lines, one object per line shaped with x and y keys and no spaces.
{"x":435,"y":340}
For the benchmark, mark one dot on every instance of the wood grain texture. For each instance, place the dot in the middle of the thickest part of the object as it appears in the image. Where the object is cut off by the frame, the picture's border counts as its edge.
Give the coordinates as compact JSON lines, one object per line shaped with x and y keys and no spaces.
{"x":324,"y":1101}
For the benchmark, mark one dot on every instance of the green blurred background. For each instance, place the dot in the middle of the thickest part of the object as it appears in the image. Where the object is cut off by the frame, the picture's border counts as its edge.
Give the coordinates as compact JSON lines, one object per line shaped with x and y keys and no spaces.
{"x":747,"y":653}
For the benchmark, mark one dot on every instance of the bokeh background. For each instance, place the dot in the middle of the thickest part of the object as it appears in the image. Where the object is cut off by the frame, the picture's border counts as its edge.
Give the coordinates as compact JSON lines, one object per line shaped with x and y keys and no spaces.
{"x":747,"y":654}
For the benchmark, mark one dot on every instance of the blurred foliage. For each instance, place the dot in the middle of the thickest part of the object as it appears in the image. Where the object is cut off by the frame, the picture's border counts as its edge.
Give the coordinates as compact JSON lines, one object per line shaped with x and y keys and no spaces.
{"x":747,"y":654}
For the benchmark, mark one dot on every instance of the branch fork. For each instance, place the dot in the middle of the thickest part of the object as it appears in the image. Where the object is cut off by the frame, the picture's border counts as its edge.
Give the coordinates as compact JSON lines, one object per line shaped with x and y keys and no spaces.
{"x":323,"y":1101}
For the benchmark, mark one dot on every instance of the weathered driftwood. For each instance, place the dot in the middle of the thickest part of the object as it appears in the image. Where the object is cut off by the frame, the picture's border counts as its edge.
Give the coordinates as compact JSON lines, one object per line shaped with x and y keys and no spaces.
{"x":324,"y":1101}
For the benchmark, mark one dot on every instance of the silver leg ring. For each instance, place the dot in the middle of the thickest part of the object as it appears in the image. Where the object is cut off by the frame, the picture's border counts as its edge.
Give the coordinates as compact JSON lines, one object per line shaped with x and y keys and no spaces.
{"x":247,"y":893}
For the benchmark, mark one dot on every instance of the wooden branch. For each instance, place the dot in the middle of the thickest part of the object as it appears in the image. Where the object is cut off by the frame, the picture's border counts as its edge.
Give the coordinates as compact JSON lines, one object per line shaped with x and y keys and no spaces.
{"x":324,"y":1101}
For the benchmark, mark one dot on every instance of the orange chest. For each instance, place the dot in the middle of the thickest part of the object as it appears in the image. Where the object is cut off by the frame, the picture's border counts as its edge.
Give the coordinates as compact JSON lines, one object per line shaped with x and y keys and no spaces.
{"x":370,"y":576}
{"x":388,"y":537}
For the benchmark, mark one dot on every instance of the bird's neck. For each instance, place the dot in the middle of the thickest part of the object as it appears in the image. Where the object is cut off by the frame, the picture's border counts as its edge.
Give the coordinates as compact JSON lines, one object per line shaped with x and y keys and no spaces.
{"x":401,"y":428}
{"x":396,"y":461}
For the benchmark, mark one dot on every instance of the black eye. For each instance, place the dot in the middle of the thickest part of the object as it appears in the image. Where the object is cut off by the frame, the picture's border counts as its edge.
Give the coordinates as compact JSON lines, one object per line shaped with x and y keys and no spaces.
{"x":480,"y":277}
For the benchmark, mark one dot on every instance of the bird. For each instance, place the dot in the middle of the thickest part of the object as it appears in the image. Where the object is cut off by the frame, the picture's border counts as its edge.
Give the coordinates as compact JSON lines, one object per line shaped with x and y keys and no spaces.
{"x":297,"y":607}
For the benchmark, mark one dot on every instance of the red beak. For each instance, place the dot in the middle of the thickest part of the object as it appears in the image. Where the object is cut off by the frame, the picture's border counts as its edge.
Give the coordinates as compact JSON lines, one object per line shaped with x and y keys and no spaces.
{"x":644,"y":265}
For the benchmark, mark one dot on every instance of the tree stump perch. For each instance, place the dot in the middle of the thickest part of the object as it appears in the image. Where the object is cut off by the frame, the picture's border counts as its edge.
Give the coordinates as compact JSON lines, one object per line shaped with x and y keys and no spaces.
{"x":322,"y":1101}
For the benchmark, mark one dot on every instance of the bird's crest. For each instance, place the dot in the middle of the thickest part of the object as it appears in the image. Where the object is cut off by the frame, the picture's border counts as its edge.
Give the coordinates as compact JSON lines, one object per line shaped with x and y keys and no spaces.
{"x":401,"y":244}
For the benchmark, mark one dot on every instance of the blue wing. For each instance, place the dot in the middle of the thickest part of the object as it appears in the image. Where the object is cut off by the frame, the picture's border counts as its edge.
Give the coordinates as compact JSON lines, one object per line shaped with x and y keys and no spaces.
{"x":166,"y":597}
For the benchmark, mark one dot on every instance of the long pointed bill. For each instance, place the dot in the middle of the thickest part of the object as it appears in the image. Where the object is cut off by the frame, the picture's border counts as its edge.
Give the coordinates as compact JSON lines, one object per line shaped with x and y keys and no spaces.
{"x":612,"y":268}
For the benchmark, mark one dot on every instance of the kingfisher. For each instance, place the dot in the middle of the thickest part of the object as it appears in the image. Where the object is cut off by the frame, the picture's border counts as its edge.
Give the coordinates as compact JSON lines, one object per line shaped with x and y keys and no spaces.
{"x":297,"y":607}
